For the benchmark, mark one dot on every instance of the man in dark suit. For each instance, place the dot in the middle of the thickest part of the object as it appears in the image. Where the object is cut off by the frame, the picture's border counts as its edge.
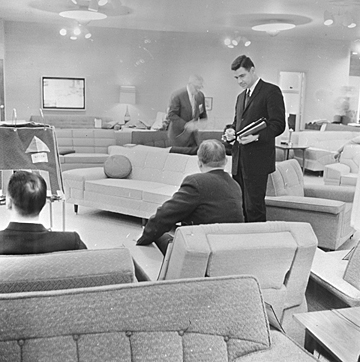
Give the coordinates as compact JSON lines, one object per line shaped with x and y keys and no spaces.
{"x":186,"y":107}
{"x":26,"y":196}
{"x":211,"y":196}
{"x":254,"y":155}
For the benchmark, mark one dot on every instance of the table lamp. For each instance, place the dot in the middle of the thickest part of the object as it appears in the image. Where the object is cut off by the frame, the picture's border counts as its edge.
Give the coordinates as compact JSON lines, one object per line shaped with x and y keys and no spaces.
{"x":127,"y":96}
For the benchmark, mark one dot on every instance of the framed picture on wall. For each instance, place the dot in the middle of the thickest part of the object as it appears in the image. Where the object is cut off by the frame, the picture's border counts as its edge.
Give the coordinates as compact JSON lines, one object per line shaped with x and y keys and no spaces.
{"x":63,"y":93}
{"x":208,"y":103}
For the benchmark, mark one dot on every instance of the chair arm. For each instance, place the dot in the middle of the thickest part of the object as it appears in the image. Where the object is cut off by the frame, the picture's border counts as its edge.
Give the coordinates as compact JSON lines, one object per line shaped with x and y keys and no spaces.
{"x":328,"y":270}
{"x":330,"y":192}
{"x":306,"y":204}
{"x":334,"y":171}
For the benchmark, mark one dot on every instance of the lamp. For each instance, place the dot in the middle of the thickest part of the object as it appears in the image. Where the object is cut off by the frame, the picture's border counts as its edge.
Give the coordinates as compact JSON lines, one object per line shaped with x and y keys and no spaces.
{"x":127,"y":96}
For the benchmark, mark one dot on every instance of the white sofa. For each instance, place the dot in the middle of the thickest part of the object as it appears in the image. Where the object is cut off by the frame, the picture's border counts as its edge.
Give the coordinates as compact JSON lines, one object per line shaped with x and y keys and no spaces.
{"x":322,"y":147}
{"x":156,"y":175}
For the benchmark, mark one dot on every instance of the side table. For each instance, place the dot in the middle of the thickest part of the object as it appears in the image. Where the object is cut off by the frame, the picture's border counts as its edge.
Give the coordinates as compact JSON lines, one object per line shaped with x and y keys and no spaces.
{"x":337,"y":331}
{"x":287,"y":147}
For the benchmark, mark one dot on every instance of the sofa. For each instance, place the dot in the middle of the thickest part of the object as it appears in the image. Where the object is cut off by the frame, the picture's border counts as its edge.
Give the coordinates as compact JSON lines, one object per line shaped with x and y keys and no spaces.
{"x":278,"y":254}
{"x":157,"y":138}
{"x":81,"y":148}
{"x":65,"y":121}
{"x":156,"y":175}
{"x":345,"y":171}
{"x":322,"y":147}
{"x":65,"y":270}
{"x":207,"y":319}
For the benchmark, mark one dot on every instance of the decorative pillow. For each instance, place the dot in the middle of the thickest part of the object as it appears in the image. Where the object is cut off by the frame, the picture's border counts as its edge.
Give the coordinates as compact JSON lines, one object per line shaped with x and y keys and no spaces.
{"x":66,"y":152}
{"x":117,"y":166}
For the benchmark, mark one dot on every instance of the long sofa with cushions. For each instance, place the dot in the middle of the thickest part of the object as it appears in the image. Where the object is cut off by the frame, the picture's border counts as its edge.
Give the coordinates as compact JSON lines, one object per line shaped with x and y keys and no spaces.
{"x":80,"y":148}
{"x":322,"y":147}
{"x":150,"y":321}
{"x":155,"y":176}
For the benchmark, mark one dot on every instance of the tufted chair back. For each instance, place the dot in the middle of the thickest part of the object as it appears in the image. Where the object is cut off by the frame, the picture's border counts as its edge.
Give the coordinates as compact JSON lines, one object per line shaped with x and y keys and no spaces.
{"x":287,"y":180}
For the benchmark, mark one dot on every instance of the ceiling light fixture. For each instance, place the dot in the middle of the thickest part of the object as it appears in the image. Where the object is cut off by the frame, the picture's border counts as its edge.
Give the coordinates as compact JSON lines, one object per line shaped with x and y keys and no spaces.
{"x":77,"y":32}
{"x":88,"y":10}
{"x":232,"y":42}
{"x":273,"y":27}
{"x":328,"y":18}
{"x":348,"y":20}
{"x":341,"y":17}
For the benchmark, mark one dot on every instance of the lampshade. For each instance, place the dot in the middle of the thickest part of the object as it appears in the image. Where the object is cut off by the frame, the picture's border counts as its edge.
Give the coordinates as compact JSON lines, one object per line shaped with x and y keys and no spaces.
{"x":128,"y":94}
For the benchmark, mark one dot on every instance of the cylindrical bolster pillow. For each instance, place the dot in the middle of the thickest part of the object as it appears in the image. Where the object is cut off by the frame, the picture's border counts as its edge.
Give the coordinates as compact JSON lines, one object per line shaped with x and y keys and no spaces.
{"x":117,"y":166}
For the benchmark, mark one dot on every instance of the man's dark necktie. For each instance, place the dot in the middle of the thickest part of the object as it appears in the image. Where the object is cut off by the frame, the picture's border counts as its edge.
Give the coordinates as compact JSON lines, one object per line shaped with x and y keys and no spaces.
{"x":247,"y":98}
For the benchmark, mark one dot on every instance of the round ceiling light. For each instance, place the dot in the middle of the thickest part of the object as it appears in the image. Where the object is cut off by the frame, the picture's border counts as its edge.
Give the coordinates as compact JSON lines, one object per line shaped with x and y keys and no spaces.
{"x":273,"y":27}
{"x":83,"y":15}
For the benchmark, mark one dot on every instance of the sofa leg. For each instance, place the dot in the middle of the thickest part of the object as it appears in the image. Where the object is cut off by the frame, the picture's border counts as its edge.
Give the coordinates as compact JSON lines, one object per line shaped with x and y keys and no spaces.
{"x":143,"y":222}
{"x":76,"y":208}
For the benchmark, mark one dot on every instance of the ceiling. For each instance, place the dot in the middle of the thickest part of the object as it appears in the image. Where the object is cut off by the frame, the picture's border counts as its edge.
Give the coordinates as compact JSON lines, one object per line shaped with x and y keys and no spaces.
{"x":204,"y":16}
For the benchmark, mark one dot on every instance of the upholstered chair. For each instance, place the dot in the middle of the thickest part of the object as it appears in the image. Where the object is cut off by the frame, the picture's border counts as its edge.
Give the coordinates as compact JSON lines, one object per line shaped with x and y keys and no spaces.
{"x":337,"y":273}
{"x":279,"y":254}
{"x":345,"y":172}
{"x":327,"y":208}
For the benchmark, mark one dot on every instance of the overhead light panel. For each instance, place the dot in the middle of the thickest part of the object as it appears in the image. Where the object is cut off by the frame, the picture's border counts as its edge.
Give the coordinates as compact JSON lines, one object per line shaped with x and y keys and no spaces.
{"x":83,"y":15}
{"x":273,"y":27}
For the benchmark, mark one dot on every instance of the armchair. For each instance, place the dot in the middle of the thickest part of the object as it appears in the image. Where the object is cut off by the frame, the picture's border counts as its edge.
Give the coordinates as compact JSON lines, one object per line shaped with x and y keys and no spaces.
{"x":338,"y":277}
{"x":279,"y":254}
{"x":327,"y":208}
{"x":345,"y":172}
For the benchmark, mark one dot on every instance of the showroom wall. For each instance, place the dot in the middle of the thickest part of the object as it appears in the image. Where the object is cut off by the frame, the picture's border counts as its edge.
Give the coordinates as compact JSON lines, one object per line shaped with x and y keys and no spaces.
{"x":158,"y":63}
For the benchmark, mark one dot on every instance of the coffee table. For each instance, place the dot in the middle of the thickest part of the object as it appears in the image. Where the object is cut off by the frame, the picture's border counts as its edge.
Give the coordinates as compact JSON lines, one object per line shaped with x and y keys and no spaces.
{"x":337,"y":331}
{"x":287,"y":147}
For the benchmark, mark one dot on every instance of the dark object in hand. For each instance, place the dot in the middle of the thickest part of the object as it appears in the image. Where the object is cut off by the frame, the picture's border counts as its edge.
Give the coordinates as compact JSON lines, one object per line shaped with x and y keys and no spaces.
{"x":252,"y":128}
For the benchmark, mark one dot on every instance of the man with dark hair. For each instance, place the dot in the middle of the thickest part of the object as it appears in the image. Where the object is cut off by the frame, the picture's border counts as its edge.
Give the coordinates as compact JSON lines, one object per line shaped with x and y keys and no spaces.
{"x":211,"y":196}
{"x":253,"y":156}
{"x":26,"y":197}
{"x":187,"y":105}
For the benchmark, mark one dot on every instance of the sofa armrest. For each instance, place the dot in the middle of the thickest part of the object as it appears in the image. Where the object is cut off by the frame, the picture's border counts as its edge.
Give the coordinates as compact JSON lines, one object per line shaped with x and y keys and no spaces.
{"x":306,"y":204}
{"x":330,"y":192}
{"x":328,"y":270}
{"x":334,"y":171}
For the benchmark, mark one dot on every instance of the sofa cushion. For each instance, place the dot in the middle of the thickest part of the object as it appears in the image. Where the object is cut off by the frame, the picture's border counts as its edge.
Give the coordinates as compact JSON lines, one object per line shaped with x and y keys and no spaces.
{"x":117,"y":166}
{"x":65,"y":270}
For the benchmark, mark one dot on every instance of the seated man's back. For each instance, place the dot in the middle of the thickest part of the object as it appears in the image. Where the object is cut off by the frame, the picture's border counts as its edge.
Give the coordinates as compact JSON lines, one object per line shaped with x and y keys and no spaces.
{"x":26,"y":197}
{"x":211,"y":196}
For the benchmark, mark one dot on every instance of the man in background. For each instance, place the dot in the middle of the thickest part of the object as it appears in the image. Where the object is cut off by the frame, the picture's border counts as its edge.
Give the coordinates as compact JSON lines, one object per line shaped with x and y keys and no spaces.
{"x":186,"y":107}
{"x":26,"y":197}
{"x":211,"y":196}
{"x":253,"y":156}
